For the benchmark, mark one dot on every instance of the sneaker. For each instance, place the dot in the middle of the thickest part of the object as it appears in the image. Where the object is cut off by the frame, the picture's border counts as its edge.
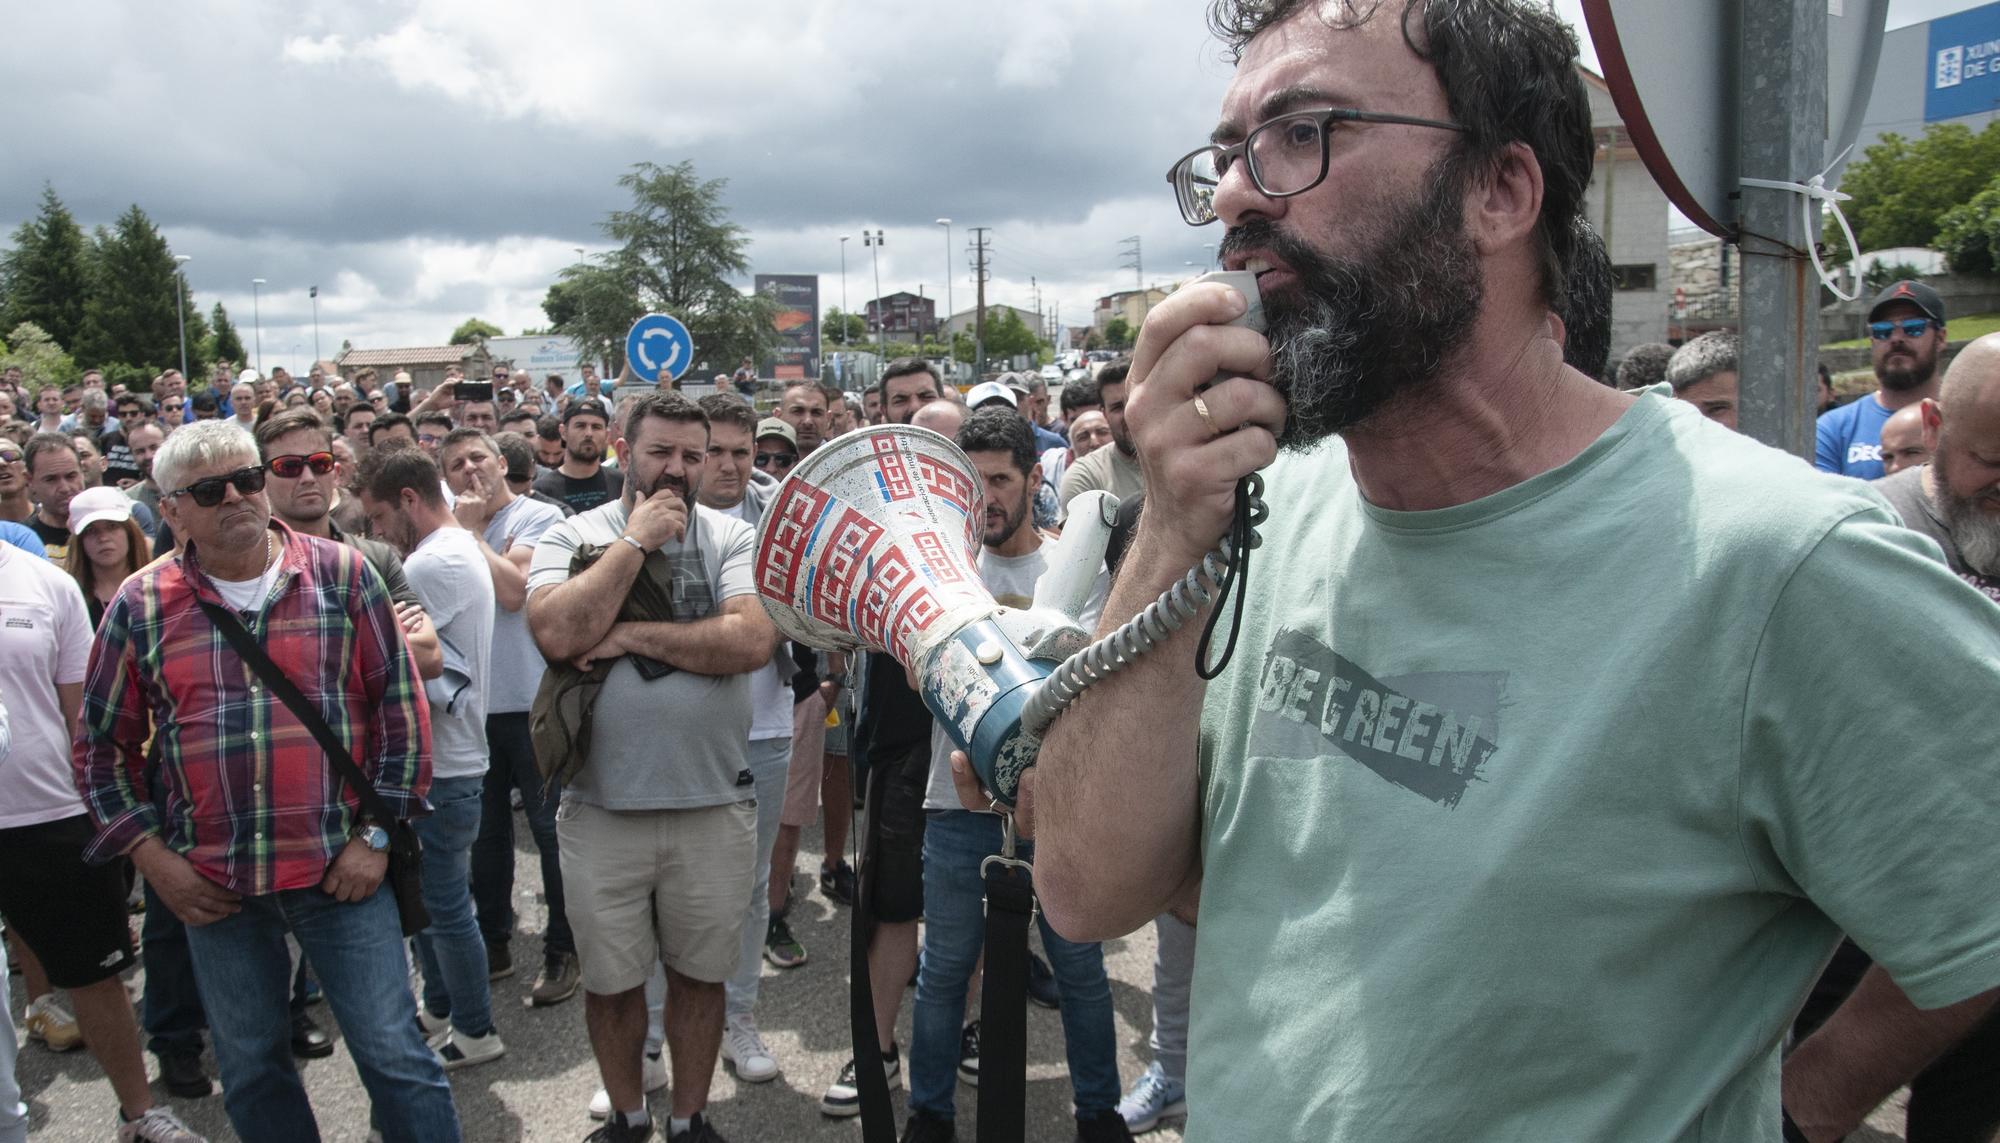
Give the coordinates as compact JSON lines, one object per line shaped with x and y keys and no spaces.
{"x":457,"y":1050}
{"x":309,"y":1040}
{"x":652,"y":1078}
{"x":698,"y":1131}
{"x":558,"y":981}
{"x":1042,"y":983}
{"x":968,"y":1055}
{"x":615,"y":1131}
{"x":1102,"y":1127}
{"x":51,"y":1023}
{"x":924,"y":1127}
{"x":433,"y":1026}
{"x":499,"y":961}
{"x":781,"y":948}
{"x":843,"y":1096}
{"x":837,"y":883}
{"x":514,"y":801}
{"x":743,"y":1047}
{"x":156,"y":1125}
{"x":181,"y":1074}
{"x":1153,"y":1097}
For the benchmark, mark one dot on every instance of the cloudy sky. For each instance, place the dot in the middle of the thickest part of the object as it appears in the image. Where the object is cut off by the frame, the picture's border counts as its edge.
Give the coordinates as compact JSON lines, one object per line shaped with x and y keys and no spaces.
{"x":425,"y":161}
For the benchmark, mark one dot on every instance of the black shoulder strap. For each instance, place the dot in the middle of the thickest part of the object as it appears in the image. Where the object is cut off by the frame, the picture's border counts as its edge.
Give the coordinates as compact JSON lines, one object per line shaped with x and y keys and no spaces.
{"x":336,"y":752}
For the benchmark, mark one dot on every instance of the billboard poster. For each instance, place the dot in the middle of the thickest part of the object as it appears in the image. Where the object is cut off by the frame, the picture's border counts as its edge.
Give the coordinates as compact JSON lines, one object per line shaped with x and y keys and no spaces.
{"x":1964,"y":73}
{"x":540,"y":356}
{"x":798,"y":325}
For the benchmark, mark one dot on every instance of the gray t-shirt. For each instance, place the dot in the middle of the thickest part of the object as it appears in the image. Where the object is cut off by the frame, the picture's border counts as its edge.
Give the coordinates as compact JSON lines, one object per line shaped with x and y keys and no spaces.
{"x":1905,"y":493}
{"x":517,"y":663}
{"x":449,"y":573}
{"x":678,"y":741}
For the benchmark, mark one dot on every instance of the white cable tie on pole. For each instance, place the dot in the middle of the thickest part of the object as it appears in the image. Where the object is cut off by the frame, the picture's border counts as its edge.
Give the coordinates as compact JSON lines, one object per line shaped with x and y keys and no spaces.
{"x":1815,"y":190}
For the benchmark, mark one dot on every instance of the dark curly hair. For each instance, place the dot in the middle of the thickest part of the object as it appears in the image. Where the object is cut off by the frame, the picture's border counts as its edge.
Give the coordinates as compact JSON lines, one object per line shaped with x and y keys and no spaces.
{"x":1509,"y":73}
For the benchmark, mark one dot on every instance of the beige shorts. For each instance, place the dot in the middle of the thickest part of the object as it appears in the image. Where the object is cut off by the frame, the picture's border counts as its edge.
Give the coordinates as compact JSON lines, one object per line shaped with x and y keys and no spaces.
{"x":653,"y":886}
{"x":808,"y":762}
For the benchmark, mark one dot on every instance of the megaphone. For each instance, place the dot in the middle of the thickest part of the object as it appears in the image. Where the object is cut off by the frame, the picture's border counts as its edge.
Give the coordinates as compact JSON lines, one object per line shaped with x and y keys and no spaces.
{"x":873,"y":542}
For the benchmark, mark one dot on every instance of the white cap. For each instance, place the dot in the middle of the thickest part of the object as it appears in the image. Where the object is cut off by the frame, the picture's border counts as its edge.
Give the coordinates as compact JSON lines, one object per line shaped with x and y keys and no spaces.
{"x":94,"y":504}
{"x":988,"y":391}
{"x":248,"y":377}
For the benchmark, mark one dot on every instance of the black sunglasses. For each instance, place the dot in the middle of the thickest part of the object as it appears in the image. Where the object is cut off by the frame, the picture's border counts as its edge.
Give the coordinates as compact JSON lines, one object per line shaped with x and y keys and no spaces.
{"x":776,"y":459}
{"x":293,"y":466}
{"x":1909,"y":327}
{"x":208,"y":493}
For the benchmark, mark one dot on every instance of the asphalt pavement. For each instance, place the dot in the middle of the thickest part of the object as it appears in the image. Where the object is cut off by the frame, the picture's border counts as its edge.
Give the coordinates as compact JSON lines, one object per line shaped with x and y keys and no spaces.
{"x":539,"y":1090}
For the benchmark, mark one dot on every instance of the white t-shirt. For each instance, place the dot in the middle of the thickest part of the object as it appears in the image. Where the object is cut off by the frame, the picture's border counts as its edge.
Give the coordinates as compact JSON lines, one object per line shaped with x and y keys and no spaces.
{"x":517,"y":664}
{"x":448,"y":572}
{"x":1011,"y":579}
{"x":45,"y":640}
{"x":770,"y":685}
{"x":250,"y":594}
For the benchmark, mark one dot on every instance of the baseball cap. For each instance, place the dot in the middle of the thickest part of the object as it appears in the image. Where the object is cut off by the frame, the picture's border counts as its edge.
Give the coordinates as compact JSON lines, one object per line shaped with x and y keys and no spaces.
{"x":94,"y":504}
{"x":773,"y":427}
{"x":1915,"y":293}
{"x":248,"y":377}
{"x":990,"y":391}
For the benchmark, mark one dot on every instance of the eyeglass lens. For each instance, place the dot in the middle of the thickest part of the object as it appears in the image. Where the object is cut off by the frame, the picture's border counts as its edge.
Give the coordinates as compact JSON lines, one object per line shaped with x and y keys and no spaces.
{"x":208,"y":493}
{"x":1910,"y":327}
{"x":290,"y":467}
{"x":777,"y":459}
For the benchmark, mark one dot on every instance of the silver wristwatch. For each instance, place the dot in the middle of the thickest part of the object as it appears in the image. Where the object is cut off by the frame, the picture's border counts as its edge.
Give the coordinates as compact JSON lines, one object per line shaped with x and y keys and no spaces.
{"x":373,"y":836}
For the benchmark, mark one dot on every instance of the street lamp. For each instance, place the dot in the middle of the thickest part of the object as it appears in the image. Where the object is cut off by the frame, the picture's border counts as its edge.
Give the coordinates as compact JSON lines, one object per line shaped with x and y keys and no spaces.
{"x":314,"y":295}
{"x":180,"y":305}
{"x":946,"y":223}
{"x":257,"y":321}
{"x":844,"y":315}
{"x":875,"y":241}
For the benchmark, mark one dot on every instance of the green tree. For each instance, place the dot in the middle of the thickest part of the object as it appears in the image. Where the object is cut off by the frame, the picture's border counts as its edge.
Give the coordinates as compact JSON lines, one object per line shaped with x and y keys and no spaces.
{"x":677,"y":251}
{"x":1118,"y":334}
{"x":473,"y":329}
{"x":131,"y":314}
{"x":839,"y":328}
{"x":44,"y":278}
{"x":227,"y":342}
{"x":1969,"y":234}
{"x":1903,"y":188}
{"x":42,"y":362}
{"x":1008,"y":336}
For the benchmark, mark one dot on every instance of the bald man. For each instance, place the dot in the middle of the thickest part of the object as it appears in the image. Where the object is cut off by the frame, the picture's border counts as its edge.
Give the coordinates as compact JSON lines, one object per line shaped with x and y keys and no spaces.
{"x":1955,"y":499}
{"x":1903,"y":440}
{"x":941,"y":416}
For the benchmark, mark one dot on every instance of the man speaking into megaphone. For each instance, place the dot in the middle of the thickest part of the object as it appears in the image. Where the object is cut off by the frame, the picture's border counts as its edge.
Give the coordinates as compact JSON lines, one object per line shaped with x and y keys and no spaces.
{"x":1528,"y":805}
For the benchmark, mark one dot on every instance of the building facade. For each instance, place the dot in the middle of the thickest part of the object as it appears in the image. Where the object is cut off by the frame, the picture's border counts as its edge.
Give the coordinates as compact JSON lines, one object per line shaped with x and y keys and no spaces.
{"x":902,"y":315}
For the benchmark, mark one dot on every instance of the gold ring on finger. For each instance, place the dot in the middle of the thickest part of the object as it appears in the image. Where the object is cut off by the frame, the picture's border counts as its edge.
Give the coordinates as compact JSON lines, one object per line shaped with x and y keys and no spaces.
{"x":1201,"y":409}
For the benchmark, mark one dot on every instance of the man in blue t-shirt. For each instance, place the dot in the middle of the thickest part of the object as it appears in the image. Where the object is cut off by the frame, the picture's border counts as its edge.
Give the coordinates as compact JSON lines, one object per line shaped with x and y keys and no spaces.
{"x":1906,"y":333}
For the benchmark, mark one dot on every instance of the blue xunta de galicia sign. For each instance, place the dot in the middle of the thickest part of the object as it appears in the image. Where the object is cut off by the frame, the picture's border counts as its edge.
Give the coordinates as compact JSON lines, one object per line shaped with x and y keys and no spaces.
{"x":659,"y":348}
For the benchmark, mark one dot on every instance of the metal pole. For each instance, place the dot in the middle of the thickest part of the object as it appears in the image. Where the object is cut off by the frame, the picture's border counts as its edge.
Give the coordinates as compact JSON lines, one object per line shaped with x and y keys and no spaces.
{"x":180,"y":305}
{"x":1784,"y":137}
{"x":257,"y":321}
{"x":881,"y":316}
{"x":946,"y":223}
{"x":315,"y":301}
{"x":844,"y":315}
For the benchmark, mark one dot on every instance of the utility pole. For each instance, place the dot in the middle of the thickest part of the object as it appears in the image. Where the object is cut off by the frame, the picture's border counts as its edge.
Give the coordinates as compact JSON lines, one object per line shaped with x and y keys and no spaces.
{"x":1138,"y":266}
{"x":314,"y":295}
{"x":979,"y":314}
{"x":875,"y":242}
{"x":180,"y":304}
{"x":946,"y":223}
{"x":257,"y":320}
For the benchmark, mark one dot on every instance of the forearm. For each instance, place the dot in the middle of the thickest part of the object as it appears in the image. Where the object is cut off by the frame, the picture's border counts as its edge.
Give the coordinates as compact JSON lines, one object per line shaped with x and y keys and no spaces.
{"x":573,"y":616}
{"x":719,"y":645}
{"x":1117,"y":829}
{"x":1875,"y":1043}
{"x":425,"y":651}
{"x":510,"y":582}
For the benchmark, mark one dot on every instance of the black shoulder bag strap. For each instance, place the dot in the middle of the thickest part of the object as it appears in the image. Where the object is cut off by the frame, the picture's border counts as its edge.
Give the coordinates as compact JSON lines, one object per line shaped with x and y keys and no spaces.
{"x":1003,"y":1000}
{"x":336,"y":751}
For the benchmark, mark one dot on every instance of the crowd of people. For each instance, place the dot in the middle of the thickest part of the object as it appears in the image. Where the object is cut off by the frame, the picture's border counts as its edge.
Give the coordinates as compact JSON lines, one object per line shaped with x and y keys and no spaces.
{"x":439,"y":578}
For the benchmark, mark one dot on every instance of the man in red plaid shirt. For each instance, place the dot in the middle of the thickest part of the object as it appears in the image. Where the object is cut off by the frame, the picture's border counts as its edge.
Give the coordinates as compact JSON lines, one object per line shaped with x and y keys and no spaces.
{"x":241,"y":824}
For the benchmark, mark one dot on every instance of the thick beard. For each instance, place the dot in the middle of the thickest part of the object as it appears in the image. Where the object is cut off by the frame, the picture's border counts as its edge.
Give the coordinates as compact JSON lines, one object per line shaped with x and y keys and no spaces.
{"x":1976,"y":533}
{"x":1901,"y":380}
{"x":1015,"y":516}
{"x":1355,"y":333}
{"x":584,"y":452}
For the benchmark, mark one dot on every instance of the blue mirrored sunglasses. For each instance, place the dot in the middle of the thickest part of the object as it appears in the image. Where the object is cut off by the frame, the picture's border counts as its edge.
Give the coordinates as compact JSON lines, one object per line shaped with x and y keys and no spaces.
{"x":1909,"y":327}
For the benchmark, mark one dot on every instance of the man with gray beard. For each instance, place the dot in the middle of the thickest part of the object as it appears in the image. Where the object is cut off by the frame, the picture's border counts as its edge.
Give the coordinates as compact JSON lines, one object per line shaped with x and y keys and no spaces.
{"x":1955,"y":499}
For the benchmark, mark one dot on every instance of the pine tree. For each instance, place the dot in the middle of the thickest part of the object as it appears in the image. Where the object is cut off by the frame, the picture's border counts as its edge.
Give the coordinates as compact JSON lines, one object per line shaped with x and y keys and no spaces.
{"x":131,"y":317}
{"x":44,"y":278}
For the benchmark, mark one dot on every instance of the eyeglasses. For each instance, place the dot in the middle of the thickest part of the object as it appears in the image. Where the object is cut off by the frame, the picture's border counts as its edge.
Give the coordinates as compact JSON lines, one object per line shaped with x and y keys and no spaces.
{"x":171,"y":406}
{"x":1908,"y":327}
{"x":294,"y":466}
{"x":776,"y":459}
{"x":1287,"y":156}
{"x":9,"y":456}
{"x":208,"y":493}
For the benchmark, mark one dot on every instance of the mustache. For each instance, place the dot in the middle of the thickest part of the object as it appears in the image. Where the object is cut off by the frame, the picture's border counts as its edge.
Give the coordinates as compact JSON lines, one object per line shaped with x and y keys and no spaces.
{"x":1264,"y":234}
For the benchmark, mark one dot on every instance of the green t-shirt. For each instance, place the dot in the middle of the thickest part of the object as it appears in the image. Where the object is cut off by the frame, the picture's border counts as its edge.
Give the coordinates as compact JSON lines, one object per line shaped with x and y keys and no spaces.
{"x":1534,"y":818}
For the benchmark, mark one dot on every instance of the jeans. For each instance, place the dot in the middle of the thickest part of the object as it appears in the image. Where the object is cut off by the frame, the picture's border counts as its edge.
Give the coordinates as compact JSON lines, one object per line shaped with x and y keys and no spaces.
{"x":513,"y":768}
{"x":955,"y":842}
{"x":454,"y":957}
{"x":1173,"y":980}
{"x":170,"y":1009}
{"x":13,"y":1113}
{"x":245,"y":974}
{"x":770,"y":762}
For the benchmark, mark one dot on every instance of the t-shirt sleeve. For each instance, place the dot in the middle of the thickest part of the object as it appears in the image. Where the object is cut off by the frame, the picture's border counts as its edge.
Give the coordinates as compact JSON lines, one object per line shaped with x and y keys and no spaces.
{"x":442,"y":585}
{"x":739,"y":555}
{"x":389,"y":566}
{"x":73,"y":633}
{"x":1826,"y":443}
{"x":1873,"y":791}
{"x":1077,"y":481}
{"x":532,"y":521}
{"x":553,"y":552}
